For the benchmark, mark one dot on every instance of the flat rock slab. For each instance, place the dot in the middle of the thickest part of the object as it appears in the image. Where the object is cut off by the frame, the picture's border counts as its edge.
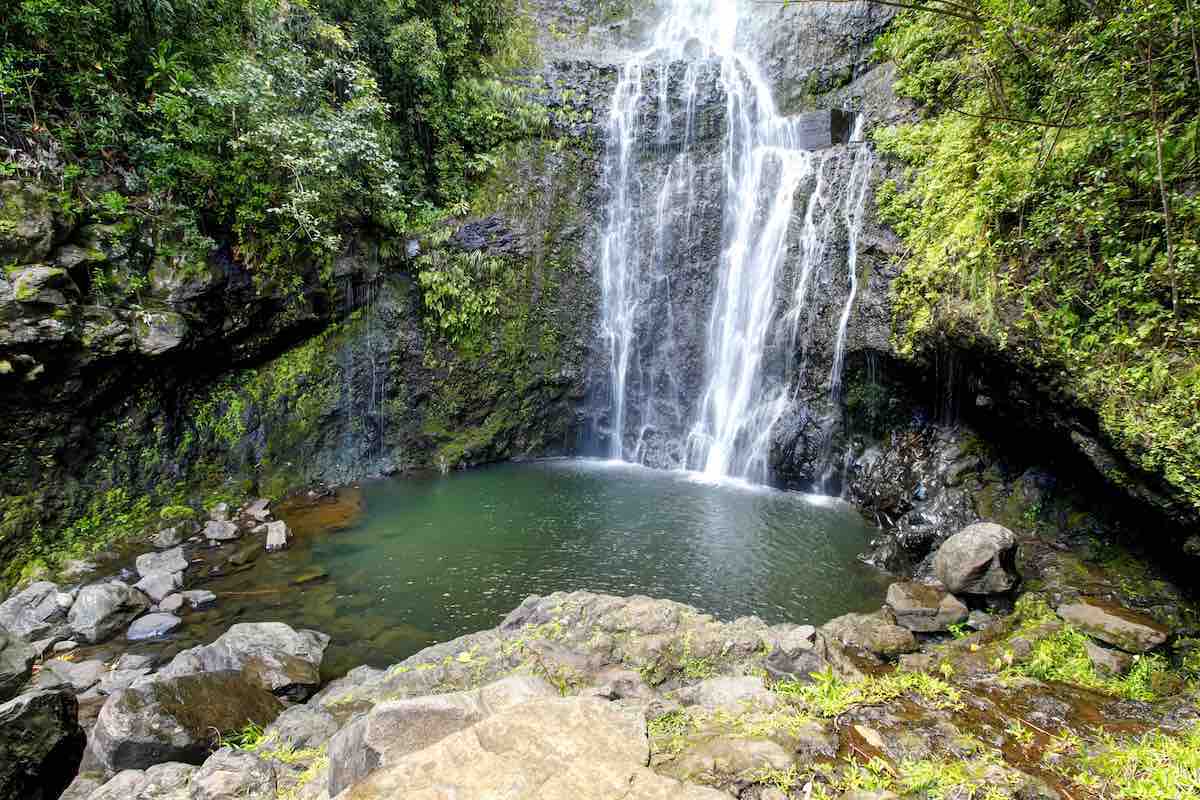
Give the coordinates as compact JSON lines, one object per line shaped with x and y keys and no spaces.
{"x":923,"y":608}
{"x":579,"y":748}
{"x":1118,"y":626}
{"x":79,"y":676}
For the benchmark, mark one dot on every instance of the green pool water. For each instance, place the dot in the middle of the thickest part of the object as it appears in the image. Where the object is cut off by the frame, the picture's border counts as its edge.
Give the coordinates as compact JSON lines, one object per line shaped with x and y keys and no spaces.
{"x":401,"y":564}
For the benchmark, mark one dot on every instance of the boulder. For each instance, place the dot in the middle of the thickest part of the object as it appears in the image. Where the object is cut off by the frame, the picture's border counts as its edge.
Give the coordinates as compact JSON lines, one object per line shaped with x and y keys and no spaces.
{"x":281,"y":660}
{"x":43,"y":285}
{"x":278,"y":536}
{"x":171,"y":560}
{"x":582,"y":748}
{"x":230,"y":774}
{"x":923,"y":608}
{"x":83,"y":787}
{"x":16,"y":664}
{"x":169,"y":781}
{"x":79,"y":676}
{"x":718,"y":760}
{"x":219,"y":512}
{"x":158,"y":585}
{"x":101,"y":609}
{"x":167,"y":538}
{"x":396,"y":728}
{"x":793,"y":655}
{"x":1128,"y":630}
{"x":65,"y":646}
{"x":216,"y":530}
{"x":876,"y":633}
{"x":173,"y":719}
{"x":35,"y":612}
{"x":1111,"y":662}
{"x":158,"y":332}
{"x":171,"y":603}
{"x":152,"y":626}
{"x":133,"y":661}
{"x":115,"y":680}
{"x":258,"y":510}
{"x":979,"y":559}
{"x":41,"y":745}
{"x":26,"y":222}
{"x":302,"y":727}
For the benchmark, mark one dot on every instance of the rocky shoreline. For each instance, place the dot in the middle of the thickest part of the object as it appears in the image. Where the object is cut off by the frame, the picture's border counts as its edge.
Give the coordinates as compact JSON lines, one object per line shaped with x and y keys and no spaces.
{"x":1013,"y":670}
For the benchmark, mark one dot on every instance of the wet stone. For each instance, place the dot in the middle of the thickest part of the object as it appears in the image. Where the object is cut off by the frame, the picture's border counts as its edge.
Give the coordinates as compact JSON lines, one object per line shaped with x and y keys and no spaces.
{"x":152,"y":626}
{"x":925,"y":609}
{"x":1108,"y":622}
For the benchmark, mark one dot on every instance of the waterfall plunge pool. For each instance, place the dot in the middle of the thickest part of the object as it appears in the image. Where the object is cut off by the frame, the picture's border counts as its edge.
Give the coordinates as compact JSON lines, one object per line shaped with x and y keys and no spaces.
{"x":393,"y":566}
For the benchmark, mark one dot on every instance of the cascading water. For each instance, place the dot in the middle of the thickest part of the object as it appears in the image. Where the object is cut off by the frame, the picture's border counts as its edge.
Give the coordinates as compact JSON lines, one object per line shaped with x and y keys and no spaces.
{"x":758,"y":330}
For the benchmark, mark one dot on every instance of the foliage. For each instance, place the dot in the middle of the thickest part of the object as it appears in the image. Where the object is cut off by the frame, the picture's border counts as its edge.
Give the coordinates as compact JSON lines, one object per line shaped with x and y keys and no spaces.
{"x":1155,"y":765}
{"x":275,"y":128}
{"x":828,"y":695}
{"x":1050,"y":204}
{"x":1063,"y":657}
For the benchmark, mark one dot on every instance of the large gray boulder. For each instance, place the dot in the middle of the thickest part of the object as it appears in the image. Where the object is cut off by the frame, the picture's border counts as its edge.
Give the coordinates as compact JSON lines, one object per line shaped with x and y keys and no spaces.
{"x":16,"y":664}
{"x":79,"y":676}
{"x":174,"y":719}
{"x":232,"y":775}
{"x":979,"y":559}
{"x":41,"y":745}
{"x":102,"y":609}
{"x":167,"y":561}
{"x":1128,"y":630}
{"x":280,"y":659}
{"x":923,"y":608}
{"x":35,"y":612}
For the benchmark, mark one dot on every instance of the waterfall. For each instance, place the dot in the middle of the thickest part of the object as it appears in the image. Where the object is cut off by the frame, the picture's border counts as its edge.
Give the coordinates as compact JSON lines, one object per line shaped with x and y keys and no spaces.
{"x":755,"y":345}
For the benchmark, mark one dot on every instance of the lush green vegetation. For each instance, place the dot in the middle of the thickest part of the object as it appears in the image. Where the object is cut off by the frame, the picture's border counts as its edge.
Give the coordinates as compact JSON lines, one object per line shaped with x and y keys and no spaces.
{"x":1051,"y":204}
{"x":266,"y":127}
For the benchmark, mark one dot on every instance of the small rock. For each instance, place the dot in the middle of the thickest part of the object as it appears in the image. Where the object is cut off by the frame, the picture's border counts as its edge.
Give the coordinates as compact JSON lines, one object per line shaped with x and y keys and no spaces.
{"x":230,"y":774}
{"x":198,"y":598}
{"x":733,"y":757}
{"x":1112,"y":662}
{"x":41,"y":744}
{"x":167,"y":538}
{"x":16,"y":664}
{"x":101,"y":609}
{"x":171,"y":603}
{"x":925,"y":609}
{"x":220,"y":531}
{"x":259,"y":510}
{"x":152,"y":626}
{"x":979,"y":559}
{"x":1128,"y":630}
{"x":65,"y":646}
{"x":979,"y":620}
{"x":219,"y":512}
{"x":158,"y":585}
{"x":167,"y":561}
{"x":277,"y":536}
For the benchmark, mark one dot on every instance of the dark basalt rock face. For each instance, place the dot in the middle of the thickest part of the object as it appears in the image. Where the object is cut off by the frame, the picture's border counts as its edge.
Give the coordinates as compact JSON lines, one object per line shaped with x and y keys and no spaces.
{"x":41,"y":745}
